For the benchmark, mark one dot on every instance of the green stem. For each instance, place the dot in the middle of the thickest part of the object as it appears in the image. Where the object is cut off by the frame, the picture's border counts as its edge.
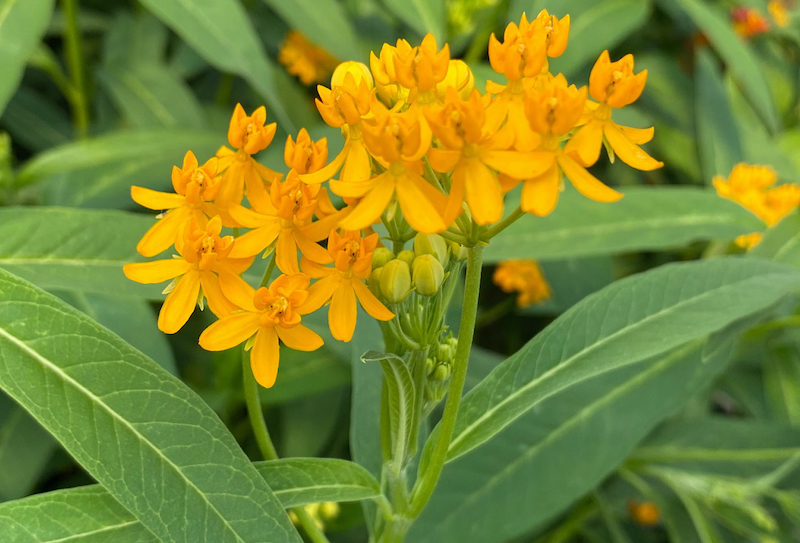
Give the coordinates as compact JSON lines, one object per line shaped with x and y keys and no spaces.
{"x":266,"y":446}
{"x":73,"y":45}
{"x":268,"y":271}
{"x":427,"y":482}
{"x":502,"y":225}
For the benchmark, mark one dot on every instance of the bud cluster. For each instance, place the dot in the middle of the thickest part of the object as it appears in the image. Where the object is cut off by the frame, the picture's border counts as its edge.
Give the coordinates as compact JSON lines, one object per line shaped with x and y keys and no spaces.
{"x":438,"y":367}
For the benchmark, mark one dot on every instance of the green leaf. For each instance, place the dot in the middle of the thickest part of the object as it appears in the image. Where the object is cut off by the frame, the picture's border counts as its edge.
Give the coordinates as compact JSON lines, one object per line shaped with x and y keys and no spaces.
{"x":644,"y":219}
{"x":25,"y":448}
{"x":717,"y":133}
{"x":220,"y":31}
{"x":781,"y":243}
{"x":303,"y":375}
{"x":134,"y":39}
{"x":782,"y":383}
{"x":423,"y":16}
{"x":586,"y":431}
{"x":99,"y":172}
{"x":22,"y":25}
{"x":324,"y":22}
{"x":74,"y":250}
{"x":140,"y":432}
{"x":738,"y":57}
{"x":91,"y":515}
{"x":633,"y":319}
{"x":602,"y":26}
{"x":35,"y":122}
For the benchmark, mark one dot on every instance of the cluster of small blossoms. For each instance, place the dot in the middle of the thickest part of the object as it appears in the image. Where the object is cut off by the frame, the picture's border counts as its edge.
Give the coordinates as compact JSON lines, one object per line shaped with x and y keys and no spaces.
{"x":424,"y":153}
{"x":749,"y":22}
{"x":320,"y":513}
{"x":304,"y":60}
{"x":753,"y":187}
{"x":524,"y":277}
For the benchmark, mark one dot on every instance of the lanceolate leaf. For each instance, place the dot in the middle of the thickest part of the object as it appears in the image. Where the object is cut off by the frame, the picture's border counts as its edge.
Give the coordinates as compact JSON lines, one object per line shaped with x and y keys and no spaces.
{"x":140,"y":432}
{"x":644,"y":219}
{"x":781,"y":243}
{"x":627,"y":322}
{"x":91,"y":515}
{"x":423,"y":16}
{"x":74,"y":249}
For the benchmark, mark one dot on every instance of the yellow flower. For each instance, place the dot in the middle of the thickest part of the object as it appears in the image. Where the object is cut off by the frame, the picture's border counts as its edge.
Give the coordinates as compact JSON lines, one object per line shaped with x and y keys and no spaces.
{"x":778,"y":9}
{"x":398,"y":140}
{"x":284,"y":215}
{"x":412,"y":68}
{"x":525,"y":48}
{"x":524,"y":277}
{"x":552,"y":112}
{"x":305,"y":155}
{"x":459,"y":77}
{"x":205,"y":269}
{"x":272,"y":314}
{"x":645,"y":513}
{"x":310,"y":63}
{"x":748,"y":22}
{"x":196,"y":186}
{"x":614,"y":85}
{"x":344,"y":283}
{"x":469,"y":148}
{"x":248,"y":135}
{"x":748,"y":241}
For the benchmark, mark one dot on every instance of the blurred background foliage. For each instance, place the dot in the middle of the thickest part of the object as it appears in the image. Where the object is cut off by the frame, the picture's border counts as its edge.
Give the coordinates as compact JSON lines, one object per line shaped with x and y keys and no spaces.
{"x":698,"y":446}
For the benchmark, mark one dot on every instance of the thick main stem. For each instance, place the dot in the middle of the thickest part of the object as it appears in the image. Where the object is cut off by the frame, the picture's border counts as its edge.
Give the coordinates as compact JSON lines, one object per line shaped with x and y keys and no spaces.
{"x":428,"y":479}
{"x":74,"y":49}
{"x":266,"y":446}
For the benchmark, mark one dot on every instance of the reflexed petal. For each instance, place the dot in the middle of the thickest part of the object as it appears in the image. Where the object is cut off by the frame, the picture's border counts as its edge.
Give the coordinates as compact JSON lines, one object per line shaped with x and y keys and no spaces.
{"x":357,"y":167}
{"x":421,"y":204}
{"x":179,"y":305}
{"x":256,"y":190}
{"x":237,"y":290}
{"x":310,"y":249}
{"x":157,"y":271}
{"x":314,"y":270}
{"x":455,"y":200}
{"x":540,"y":194}
{"x":586,"y":143}
{"x":234,"y":265}
{"x":164,"y":232}
{"x":369,"y":209}
{"x":251,"y":219}
{"x":319,"y":293}
{"x":630,"y":153}
{"x":231,"y":191}
{"x":218,"y":303}
{"x":586,"y":183}
{"x":152,"y":199}
{"x":254,"y":241}
{"x":638,"y":136}
{"x":230,"y":331}
{"x":342,"y":313}
{"x":299,"y":338}
{"x":443,"y":160}
{"x":264,"y":357}
{"x":370,"y":303}
{"x":286,"y":252}
{"x":483,"y":193}
{"x":355,"y":190}
{"x":515,"y":164}
{"x":321,"y":229}
{"x":320,"y":176}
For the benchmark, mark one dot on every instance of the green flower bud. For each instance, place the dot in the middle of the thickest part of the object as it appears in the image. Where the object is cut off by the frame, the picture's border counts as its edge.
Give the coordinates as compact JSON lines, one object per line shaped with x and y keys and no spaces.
{"x":428,"y":275}
{"x":375,"y":281}
{"x":430,"y":365}
{"x":453,"y":342}
{"x":407,"y":257}
{"x":442,"y":372}
{"x":444,"y":352}
{"x":458,"y":251}
{"x":395,"y":281}
{"x":381,"y":256}
{"x":431,"y":244}
{"x":329,"y":510}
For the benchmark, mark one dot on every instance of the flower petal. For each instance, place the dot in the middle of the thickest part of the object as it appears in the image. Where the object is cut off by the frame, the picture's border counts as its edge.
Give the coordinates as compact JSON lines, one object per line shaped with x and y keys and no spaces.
{"x":586,"y":183}
{"x":370,"y":303}
{"x":369,"y":209}
{"x":218,"y":303}
{"x":153,"y":199}
{"x":630,"y":153}
{"x":586,"y":143}
{"x":254,"y":241}
{"x":484,"y":196}
{"x":443,"y":160}
{"x":421,"y":204}
{"x":230,"y":331}
{"x":164,"y":232}
{"x":299,"y":338}
{"x":356,"y":167}
{"x":264,"y":357}
{"x":515,"y":164}
{"x":638,"y":136}
{"x":310,"y":249}
{"x":326,"y":173}
{"x":157,"y":271}
{"x":250,"y":218}
{"x":237,"y":290}
{"x":180,"y":303}
{"x":286,"y":252}
{"x":319,"y":293}
{"x":342,"y":312}
{"x":540,"y":194}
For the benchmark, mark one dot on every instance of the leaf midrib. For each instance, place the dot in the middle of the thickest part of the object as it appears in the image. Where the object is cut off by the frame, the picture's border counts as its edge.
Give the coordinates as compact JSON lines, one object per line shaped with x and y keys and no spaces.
{"x":93,"y":532}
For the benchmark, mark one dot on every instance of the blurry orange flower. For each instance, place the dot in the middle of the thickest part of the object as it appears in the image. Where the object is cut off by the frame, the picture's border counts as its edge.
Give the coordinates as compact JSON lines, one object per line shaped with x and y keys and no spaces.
{"x":524,"y":277}
{"x":779,"y":10}
{"x":308,"y":62}
{"x":644,"y":513}
{"x":344,"y":283}
{"x":748,"y":22}
{"x":205,"y":270}
{"x":196,"y":186}
{"x":272,"y":314}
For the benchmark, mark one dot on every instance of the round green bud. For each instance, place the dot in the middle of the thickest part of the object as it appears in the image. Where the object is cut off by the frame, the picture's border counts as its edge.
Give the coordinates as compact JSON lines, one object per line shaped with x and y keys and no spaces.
{"x":407,"y":257}
{"x":381,"y":256}
{"x":431,"y":244}
{"x":442,"y":372}
{"x":444,"y":352}
{"x":395,"y":281}
{"x":458,"y":251}
{"x":428,"y":275}
{"x":430,"y":365}
{"x":453,"y":342}
{"x":374,"y":282}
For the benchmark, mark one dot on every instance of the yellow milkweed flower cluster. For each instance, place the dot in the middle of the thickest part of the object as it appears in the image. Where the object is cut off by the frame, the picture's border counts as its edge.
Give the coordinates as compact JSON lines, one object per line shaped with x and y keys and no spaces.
{"x":424,"y":153}
{"x":304,"y":60}
{"x":524,"y":277}
{"x":753,"y":187}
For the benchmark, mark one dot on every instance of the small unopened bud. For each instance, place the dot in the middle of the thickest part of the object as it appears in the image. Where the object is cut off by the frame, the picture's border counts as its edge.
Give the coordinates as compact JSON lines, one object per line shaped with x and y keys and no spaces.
{"x":431,"y":244}
{"x":407,"y":257}
{"x":430,"y":365}
{"x":444,"y":352}
{"x":453,"y":342}
{"x":460,"y":77}
{"x":329,"y":510}
{"x":359,"y":71}
{"x":428,"y":275}
{"x":375,"y":281}
{"x":395,"y":281}
{"x":458,"y":251}
{"x":442,"y":372}
{"x":381,"y":256}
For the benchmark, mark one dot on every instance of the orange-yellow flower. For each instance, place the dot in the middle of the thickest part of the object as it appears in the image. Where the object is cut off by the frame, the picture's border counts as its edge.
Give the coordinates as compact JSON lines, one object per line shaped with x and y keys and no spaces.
{"x":645,"y":513}
{"x":343,"y":283}
{"x":398,"y":140}
{"x":748,"y":22}
{"x":248,"y":134}
{"x":614,"y":85}
{"x":270,"y":315}
{"x":413,"y":68}
{"x":778,"y":9}
{"x":196,"y":187}
{"x":284,"y":215}
{"x":310,"y":63}
{"x":205,"y":269}
{"x":552,"y":113}
{"x":305,"y":155}
{"x":524,"y":277}
{"x":471,"y":151}
{"x":459,"y":77}
{"x":525,"y":48}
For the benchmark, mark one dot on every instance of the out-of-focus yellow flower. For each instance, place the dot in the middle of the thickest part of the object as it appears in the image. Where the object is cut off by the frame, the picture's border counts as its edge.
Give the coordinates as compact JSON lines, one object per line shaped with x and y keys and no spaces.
{"x":398,"y":140}
{"x":308,"y":62}
{"x":470,"y":150}
{"x":305,"y":155}
{"x":272,"y":314}
{"x":748,"y":22}
{"x":779,"y":11}
{"x":205,"y":269}
{"x":248,"y":134}
{"x":285,"y":215}
{"x":552,"y":113}
{"x":524,"y":277}
{"x":343,"y":283}
{"x":748,"y":241}
{"x":459,"y":77}
{"x":413,"y":68}
{"x":614,"y":85}
{"x":644,"y":513}
{"x":196,"y":187}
